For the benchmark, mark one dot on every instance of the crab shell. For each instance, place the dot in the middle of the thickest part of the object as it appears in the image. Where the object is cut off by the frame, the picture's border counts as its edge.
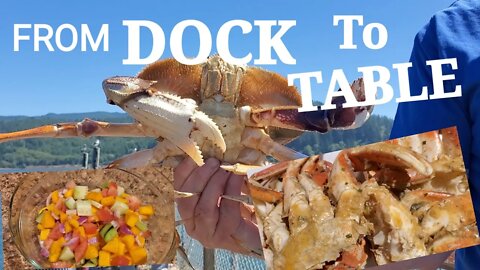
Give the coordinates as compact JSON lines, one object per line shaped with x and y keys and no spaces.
{"x":233,"y":113}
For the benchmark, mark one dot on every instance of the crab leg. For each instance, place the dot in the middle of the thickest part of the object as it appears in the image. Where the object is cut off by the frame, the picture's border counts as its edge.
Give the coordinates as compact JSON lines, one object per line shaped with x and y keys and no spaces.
{"x":85,"y":128}
{"x":321,"y":120}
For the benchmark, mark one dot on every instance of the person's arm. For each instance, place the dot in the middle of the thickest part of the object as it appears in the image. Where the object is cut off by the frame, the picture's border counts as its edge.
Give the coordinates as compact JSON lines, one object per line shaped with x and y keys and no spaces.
{"x":215,"y":222}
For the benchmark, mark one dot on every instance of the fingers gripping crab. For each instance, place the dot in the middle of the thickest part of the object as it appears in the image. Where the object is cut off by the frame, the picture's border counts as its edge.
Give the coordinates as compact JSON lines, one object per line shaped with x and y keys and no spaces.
{"x":216,"y":109}
{"x":395,"y":200}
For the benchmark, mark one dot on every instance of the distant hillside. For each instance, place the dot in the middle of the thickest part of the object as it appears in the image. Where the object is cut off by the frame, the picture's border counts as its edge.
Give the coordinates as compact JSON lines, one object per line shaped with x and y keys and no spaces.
{"x":40,"y":152}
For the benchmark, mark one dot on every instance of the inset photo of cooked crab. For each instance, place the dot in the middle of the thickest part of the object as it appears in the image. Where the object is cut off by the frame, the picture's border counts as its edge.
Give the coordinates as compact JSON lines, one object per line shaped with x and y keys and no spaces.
{"x":366,"y":206}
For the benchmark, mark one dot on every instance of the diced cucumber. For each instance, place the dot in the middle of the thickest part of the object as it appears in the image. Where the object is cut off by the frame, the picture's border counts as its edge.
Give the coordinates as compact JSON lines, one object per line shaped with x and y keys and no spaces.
{"x":84,"y":208}
{"x":112,"y":233}
{"x":104,"y":184}
{"x":105,"y":229}
{"x":80,"y":192}
{"x":94,"y":261}
{"x":66,"y":254}
{"x":96,"y":190}
{"x":71,"y":212}
{"x":141,"y":226}
{"x":108,"y":232}
{"x":120,"y":191}
{"x":40,"y":217}
{"x":70,"y":203}
{"x":119,"y":208}
{"x":95,"y":204}
{"x":89,"y":264}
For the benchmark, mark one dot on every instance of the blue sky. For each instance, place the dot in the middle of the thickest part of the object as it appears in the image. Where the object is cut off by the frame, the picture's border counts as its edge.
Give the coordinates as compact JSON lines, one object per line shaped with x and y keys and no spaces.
{"x":36,"y":83}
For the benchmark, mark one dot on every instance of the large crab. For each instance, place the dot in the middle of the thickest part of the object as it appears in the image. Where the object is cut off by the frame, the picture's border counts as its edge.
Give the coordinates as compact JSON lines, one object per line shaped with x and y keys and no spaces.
{"x":233,"y":113}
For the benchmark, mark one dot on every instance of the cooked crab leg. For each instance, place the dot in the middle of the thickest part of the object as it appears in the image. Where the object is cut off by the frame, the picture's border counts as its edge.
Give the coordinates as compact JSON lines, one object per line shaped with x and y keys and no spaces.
{"x":85,"y":128}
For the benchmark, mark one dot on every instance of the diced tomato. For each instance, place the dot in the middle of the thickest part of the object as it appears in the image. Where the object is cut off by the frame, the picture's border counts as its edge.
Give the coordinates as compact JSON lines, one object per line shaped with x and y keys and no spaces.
{"x":61,"y":264}
{"x":133,"y":202}
{"x":120,"y":260}
{"x":112,"y":189}
{"x":90,"y":228}
{"x":104,"y":214}
{"x":120,"y":221}
{"x":146,"y":234}
{"x":47,"y":243}
{"x":60,"y":205}
{"x":105,"y":192}
{"x":81,"y":249}
{"x":55,"y":233}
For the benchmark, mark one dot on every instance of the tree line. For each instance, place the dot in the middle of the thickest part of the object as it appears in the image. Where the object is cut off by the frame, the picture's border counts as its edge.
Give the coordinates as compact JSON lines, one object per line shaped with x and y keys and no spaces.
{"x":46,"y":152}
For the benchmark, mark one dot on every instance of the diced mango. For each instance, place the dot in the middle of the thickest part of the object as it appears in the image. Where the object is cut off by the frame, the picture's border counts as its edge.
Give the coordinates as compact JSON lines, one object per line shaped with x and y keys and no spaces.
{"x":55,"y":250}
{"x":81,"y":231}
{"x":112,"y":246}
{"x":120,"y":199}
{"x":121,"y":248}
{"x":73,"y":222}
{"x":48,"y":221}
{"x":55,"y":196}
{"x":69,"y":193}
{"x":124,"y":195}
{"x":103,"y":258}
{"x":44,"y":234}
{"x":131,"y":219}
{"x":63,"y":217}
{"x":135,"y":231}
{"x":146,"y":210}
{"x":40,"y":226}
{"x":108,"y":201}
{"x":68,"y":227}
{"x":128,"y":240}
{"x":94,"y":196}
{"x":138,"y":255}
{"x":92,"y":252}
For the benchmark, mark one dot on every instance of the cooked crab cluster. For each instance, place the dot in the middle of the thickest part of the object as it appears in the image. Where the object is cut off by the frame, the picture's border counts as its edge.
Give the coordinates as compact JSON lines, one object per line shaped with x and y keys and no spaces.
{"x":388,"y":201}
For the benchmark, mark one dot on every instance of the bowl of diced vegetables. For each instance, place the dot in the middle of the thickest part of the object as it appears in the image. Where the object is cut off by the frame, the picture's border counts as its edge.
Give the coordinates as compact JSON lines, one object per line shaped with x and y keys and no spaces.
{"x":93,"y":218}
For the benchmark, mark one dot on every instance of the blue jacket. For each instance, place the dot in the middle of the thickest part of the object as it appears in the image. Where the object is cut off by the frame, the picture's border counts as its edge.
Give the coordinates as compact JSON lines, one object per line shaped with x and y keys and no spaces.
{"x":451,"y":33}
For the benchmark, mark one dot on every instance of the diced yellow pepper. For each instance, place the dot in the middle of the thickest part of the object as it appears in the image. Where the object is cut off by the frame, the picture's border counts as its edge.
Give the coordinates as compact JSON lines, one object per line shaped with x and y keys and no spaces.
{"x":55,"y":196}
{"x":73,"y":222}
{"x":56,"y":211}
{"x":131,"y":219}
{"x":125,"y":195}
{"x":44,"y":234}
{"x":48,"y":221}
{"x":135,"y":231}
{"x":63,"y":217}
{"x":141,"y":240}
{"x":92,"y":252}
{"x":103,"y":258}
{"x":138,"y":255}
{"x":108,"y":201}
{"x":128,"y":240}
{"x":40,"y":226}
{"x":146,"y":210}
{"x":112,"y":246}
{"x":55,"y":250}
{"x":69,"y":193}
{"x":81,"y":231}
{"x":94,"y":196}
{"x":68,"y":227}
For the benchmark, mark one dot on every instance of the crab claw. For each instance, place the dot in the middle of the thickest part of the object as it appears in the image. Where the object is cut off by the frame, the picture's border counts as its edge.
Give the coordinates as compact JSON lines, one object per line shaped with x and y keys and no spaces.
{"x":163,"y":114}
{"x":320,"y":120}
